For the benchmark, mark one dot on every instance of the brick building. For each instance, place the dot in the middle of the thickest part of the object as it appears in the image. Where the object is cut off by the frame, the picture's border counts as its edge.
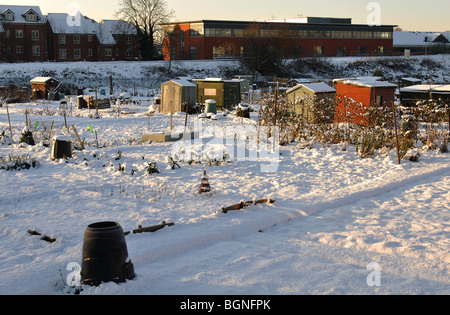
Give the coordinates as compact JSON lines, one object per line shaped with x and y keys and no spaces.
{"x":304,"y":37}
{"x":26,"y":35}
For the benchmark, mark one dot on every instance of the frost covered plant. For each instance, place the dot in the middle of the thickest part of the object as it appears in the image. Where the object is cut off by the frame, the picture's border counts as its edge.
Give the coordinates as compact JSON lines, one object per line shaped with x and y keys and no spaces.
{"x":152,"y":168}
{"x":27,"y":137}
{"x":18,"y":162}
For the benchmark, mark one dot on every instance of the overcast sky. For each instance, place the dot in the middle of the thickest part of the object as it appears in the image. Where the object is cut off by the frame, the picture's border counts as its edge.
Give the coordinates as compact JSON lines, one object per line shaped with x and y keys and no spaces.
{"x":414,"y":15}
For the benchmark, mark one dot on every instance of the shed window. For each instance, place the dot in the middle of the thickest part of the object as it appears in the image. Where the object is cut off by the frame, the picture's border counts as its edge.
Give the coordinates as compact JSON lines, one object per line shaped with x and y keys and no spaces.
{"x":210,"y":92}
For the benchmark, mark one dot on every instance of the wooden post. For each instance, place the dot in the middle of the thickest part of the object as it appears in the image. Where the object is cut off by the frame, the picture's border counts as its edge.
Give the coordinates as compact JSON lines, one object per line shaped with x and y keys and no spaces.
{"x":78,"y":137}
{"x":396,"y":134}
{"x":9,"y":121}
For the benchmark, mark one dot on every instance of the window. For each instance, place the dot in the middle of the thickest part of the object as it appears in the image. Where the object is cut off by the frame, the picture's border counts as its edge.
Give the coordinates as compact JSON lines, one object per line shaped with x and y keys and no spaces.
{"x":362,"y":51}
{"x":319,"y":34}
{"x":218,"y":52}
{"x":379,"y":100}
{"x":62,"y":54}
{"x":36,"y":51}
{"x":193,"y":52}
{"x":19,"y":49}
{"x":90,"y":52}
{"x":129,"y":53}
{"x":89,"y":38}
{"x":341,"y":34}
{"x":76,"y":39}
{"x":62,"y":39}
{"x":108,"y":52}
{"x":31,"y":17}
{"x":318,"y":51}
{"x":357,"y":34}
{"x":9,"y":16}
{"x":342,"y":51}
{"x":8,"y":33}
{"x":19,"y":33}
{"x":128,"y":40}
{"x":380,"y":50}
{"x":76,"y":54}
{"x":197,"y":29}
{"x":210,"y":92}
{"x":35,"y":35}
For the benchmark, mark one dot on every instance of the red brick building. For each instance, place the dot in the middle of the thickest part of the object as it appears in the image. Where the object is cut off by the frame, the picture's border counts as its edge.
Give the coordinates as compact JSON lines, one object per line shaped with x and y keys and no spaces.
{"x":354,"y":96}
{"x":305,"y":37}
{"x":25,"y":34}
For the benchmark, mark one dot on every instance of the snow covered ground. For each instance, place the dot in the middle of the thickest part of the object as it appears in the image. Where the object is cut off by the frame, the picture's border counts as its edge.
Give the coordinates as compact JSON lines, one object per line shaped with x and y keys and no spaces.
{"x":335,"y":215}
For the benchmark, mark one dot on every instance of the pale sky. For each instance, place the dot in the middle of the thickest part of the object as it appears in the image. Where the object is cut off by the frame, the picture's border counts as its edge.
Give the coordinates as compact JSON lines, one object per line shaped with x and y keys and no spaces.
{"x":413,"y":15}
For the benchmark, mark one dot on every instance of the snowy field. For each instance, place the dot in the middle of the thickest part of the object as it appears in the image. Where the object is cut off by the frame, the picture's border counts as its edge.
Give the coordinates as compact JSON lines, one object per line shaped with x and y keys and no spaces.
{"x":335,"y":215}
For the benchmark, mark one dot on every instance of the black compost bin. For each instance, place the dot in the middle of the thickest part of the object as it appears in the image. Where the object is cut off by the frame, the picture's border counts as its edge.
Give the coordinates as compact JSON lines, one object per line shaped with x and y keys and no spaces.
{"x":105,"y":255}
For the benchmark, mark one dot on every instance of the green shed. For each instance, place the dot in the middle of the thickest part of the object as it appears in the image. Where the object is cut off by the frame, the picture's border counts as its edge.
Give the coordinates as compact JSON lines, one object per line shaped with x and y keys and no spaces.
{"x":304,"y":97}
{"x":226,"y":93}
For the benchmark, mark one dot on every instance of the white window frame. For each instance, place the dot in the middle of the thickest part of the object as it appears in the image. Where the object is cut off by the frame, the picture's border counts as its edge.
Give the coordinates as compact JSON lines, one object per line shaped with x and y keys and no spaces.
{"x":19,"y":33}
{"x":36,"y":51}
{"x":35,"y":35}
{"x":62,"y":54}
{"x":77,"y":54}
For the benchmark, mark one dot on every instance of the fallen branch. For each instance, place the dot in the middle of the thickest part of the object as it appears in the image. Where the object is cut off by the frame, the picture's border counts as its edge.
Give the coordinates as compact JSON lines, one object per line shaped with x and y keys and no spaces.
{"x":44,"y":237}
{"x":244,"y":204}
{"x":150,"y":229}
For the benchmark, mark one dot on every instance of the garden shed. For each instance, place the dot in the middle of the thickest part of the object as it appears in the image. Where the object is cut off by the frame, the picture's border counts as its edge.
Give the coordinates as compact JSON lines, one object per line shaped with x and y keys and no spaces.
{"x":410,"y":95}
{"x":226,"y":93}
{"x":176,"y":93}
{"x":305,"y":97}
{"x":41,"y":87}
{"x":354,"y":96}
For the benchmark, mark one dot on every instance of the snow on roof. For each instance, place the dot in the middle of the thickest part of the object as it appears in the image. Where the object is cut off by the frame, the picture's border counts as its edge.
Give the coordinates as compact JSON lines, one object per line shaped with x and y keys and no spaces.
{"x":63,"y":23}
{"x":41,"y":79}
{"x":20,"y":11}
{"x":183,"y":82}
{"x":416,"y":38}
{"x":365,"y":82}
{"x":315,"y":87}
{"x":421,"y":88}
{"x":119,"y":27}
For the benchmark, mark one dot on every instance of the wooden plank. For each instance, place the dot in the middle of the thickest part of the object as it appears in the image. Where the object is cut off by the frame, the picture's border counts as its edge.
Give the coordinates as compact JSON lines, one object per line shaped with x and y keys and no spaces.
{"x":149,"y":229}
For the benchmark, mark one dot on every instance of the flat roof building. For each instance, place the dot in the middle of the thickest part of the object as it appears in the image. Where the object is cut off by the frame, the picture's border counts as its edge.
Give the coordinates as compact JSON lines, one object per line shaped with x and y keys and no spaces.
{"x":305,"y":37}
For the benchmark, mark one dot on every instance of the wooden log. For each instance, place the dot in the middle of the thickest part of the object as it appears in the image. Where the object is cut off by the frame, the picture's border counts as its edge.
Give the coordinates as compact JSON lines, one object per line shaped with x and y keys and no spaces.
{"x":149,"y":229}
{"x":243,"y":204}
{"x":44,"y":237}
{"x":78,"y":137}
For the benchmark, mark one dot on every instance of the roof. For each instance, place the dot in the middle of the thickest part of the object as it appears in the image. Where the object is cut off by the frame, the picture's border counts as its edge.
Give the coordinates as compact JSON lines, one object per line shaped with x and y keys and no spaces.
{"x":41,"y":79}
{"x":20,"y":11}
{"x":63,"y":23}
{"x":116,"y":27}
{"x":417,"y":38}
{"x":425,"y":88}
{"x":366,"y":82}
{"x":183,"y":82}
{"x":315,"y":87}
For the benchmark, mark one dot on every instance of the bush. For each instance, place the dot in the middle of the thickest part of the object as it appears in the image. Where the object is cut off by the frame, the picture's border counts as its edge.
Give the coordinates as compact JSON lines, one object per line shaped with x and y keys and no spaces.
{"x":18,"y":162}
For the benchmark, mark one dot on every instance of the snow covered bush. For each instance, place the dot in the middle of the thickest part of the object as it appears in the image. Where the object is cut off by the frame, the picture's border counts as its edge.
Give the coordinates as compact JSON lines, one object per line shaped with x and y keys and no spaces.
{"x":18,"y":162}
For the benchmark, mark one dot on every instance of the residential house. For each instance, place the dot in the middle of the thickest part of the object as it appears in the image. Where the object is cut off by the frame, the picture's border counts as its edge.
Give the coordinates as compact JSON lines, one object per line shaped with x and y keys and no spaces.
{"x":73,"y":38}
{"x":24,"y":34}
{"x":127,"y":45}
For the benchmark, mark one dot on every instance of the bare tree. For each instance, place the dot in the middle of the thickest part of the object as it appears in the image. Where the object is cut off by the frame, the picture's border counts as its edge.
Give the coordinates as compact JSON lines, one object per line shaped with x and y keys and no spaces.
{"x":146,"y":16}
